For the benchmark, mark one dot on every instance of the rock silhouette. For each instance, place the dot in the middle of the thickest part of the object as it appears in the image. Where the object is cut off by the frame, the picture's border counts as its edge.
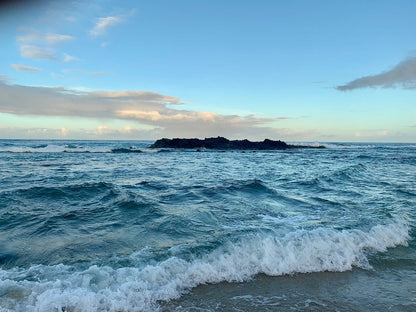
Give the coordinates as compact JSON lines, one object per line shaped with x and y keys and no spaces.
{"x":222,"y":143}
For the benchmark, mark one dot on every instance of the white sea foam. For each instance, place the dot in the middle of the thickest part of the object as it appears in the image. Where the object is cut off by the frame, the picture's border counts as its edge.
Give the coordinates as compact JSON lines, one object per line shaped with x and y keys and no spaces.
{"x":291,"y":220}
{"x":62,"y":288}
{"x":354,"y":145}
{"x":337,"y":145}
{"x":260,"y":300}
{"x":52,"y":148}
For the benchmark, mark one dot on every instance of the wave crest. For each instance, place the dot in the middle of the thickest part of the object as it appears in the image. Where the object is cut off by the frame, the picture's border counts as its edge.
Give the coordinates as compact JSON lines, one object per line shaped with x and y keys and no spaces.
{"x":139,"y":289}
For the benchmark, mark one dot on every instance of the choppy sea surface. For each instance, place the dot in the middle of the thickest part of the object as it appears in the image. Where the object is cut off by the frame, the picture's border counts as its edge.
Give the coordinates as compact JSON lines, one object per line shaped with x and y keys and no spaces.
{"x":115,"y":226}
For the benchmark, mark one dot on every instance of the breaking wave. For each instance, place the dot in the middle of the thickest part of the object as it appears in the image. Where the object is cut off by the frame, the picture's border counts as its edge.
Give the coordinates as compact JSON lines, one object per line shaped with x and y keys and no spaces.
{"x":66,"y":288}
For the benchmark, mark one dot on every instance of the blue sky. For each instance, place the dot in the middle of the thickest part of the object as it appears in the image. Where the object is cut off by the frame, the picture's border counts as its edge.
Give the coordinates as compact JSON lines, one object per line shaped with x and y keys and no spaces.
{"x":291,"y":70}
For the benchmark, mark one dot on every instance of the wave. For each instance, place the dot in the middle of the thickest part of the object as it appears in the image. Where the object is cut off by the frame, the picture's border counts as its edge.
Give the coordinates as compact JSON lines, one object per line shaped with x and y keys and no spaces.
{"x":249,"y":186}
{"x":80,"y":190}
{"x":69,"y":148}
{"x":52,"y":148}
{"x":82,"y":148}
{"x":356,"y":145}
{"x":337,"y":145}
{"x":328,"y":180}
{"x":126,"y":150}
{"x":63,"y":288}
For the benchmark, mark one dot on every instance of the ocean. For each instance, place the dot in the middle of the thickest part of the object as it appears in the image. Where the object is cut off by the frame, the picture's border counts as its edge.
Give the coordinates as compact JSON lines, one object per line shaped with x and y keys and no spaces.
{"x":116,"y":226}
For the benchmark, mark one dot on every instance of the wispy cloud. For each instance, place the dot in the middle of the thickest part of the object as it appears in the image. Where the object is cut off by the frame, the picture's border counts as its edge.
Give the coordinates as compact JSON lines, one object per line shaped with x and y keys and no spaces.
{"x":84,"y":72}
{"x":137,"y":95}
{"x":37,"y":37}
{"x":105,"y":130}
{"x":57,"y":76}
{"x":145,"y":107}
{"x":31,"y":51}
{"x":57,"y":38}
{"x":402,"y":75}
{"x":39,"y":45}
{"x":24,"y":68}
{"x":69,"y":58}
{"x":103,"y":23}
{"x":71,"y":19}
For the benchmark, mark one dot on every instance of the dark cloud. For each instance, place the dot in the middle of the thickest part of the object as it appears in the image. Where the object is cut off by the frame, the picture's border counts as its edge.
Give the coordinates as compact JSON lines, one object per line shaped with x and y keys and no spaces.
{"x":402,"y":75}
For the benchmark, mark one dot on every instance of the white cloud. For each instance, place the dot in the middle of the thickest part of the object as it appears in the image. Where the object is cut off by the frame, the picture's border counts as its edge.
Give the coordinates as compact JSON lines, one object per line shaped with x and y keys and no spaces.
{"x":127,"y":129}
{"x":102,"y":130}
{"x":179,"y":116}
{"x":38,"y":45}
{"x":69,"y":58}
{"x":103,"y":23}
{"x":382,"y":133}
{"x":39,"y":38}
{"x":24,"y":68}
{"x":140,"y":95}
{"x":36,"y":52}
{"x":37,"y":133}
{"x":84,"y":72}
{"x":146,"y":108}
{"x":64,"y":131}
{"x":57,"y":38}
{"x":71,"y":19}
{"x":55,"y":75}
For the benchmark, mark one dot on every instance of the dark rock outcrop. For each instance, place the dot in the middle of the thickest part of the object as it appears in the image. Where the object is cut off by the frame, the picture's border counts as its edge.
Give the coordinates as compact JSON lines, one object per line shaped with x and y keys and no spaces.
{"x":221,"y":143}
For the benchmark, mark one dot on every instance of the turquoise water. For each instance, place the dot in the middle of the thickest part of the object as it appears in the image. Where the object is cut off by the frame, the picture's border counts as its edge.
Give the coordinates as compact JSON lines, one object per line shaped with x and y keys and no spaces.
{"x":115,"y":226}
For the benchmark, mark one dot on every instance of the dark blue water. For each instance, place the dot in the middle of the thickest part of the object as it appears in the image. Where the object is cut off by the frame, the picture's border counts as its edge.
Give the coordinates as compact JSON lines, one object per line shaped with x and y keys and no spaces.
{"x":115,"y":226}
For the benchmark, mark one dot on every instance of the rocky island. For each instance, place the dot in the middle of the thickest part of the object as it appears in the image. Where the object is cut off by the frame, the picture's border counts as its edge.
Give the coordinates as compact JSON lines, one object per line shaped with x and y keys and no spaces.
{"x":221,"y":143}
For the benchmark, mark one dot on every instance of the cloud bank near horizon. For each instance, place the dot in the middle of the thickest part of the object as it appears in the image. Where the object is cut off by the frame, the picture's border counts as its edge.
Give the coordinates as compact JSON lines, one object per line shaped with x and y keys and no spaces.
{"x":402,"y":75}
{"x":158,"y":111}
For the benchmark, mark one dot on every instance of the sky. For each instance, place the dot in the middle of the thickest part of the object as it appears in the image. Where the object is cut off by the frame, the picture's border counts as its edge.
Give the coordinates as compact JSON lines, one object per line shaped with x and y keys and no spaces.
{"x":316,"y":71}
